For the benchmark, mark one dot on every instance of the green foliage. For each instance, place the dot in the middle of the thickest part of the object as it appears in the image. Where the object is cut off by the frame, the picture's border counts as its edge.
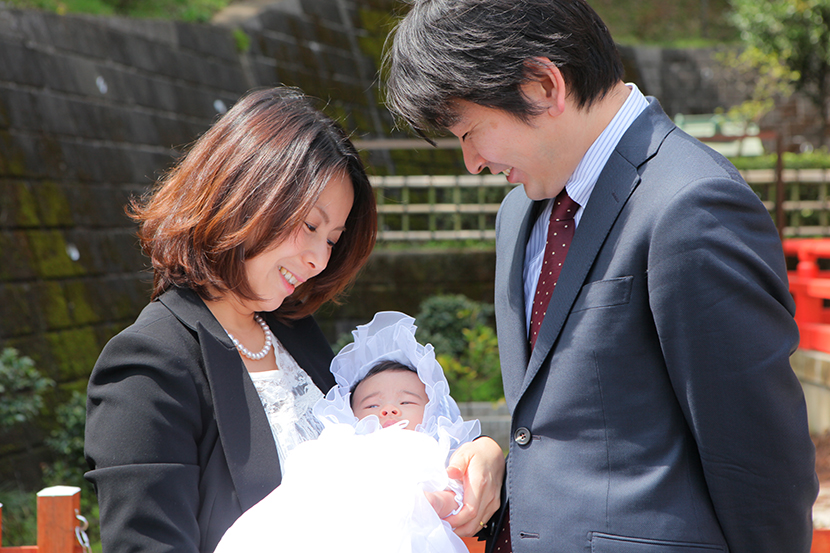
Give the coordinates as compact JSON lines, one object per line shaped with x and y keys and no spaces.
{"x":67,"y":445}
{"x":442,"y":319}
{"x":199,"y":11}
{"x":343,"y":341}
{"x":242,"y":40}
{"x":21,"y":387}
{"x":19,"y":516}
{"x":679,"y":23}
{"x":767,"y":80}
{"x":466,"y":245}
{"x":465,"y":343}
{"x":795,"y":33}
{"x":817,"y":159}
{"x":475,"y":375}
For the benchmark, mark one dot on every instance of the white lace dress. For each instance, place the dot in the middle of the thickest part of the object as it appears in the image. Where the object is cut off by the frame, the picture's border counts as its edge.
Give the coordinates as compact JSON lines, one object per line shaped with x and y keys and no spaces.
{"x":288,"y":396}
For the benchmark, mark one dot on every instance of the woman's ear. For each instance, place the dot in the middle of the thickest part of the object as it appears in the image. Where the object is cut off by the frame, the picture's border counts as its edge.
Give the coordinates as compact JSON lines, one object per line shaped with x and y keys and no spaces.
{"x":546,"y":85}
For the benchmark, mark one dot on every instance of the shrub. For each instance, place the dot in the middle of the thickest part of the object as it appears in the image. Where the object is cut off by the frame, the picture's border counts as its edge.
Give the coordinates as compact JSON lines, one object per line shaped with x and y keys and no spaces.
{"x":461,"y":330}
{"x":67,"y":445}
{"x":443,"y":318}
{"x":21,"y":387}
{"x":475,"y":375}
{"x":817,"y":159}
{"x":19,"y":516}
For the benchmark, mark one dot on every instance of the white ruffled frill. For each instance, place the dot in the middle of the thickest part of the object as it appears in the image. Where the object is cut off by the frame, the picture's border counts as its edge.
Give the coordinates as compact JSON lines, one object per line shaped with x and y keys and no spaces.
{"x":352,"y":493}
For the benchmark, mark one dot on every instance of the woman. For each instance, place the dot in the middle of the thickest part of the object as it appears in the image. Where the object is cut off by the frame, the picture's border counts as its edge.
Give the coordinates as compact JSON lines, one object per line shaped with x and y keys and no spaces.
{"x":191,"y":408}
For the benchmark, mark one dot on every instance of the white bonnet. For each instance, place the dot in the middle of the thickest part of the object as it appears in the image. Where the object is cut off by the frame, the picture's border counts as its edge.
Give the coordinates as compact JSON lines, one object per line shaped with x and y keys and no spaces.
{"x":390,"y":336}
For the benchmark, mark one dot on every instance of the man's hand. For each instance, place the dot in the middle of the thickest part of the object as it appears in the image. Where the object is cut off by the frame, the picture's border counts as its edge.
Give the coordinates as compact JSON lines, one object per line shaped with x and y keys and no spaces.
{"x":479,"y":465}
{"x":443,"y":502}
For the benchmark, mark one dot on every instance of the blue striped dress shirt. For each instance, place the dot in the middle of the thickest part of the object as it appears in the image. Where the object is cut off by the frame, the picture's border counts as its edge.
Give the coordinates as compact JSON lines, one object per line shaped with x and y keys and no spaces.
{"x":579,"y":188}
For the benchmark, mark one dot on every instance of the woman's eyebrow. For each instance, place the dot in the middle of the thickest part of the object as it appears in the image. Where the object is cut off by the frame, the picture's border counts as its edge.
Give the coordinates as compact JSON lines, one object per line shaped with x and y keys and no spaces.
{"x":326,"y":218}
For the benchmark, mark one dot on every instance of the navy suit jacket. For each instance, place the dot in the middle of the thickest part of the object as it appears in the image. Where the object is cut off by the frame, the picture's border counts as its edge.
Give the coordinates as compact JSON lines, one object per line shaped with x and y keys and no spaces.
{"x":177,"y":439}
{"x":662,"y":410}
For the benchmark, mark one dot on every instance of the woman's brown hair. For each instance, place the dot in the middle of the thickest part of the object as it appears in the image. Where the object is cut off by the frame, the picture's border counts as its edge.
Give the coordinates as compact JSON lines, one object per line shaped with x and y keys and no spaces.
{"x":249,"y":182}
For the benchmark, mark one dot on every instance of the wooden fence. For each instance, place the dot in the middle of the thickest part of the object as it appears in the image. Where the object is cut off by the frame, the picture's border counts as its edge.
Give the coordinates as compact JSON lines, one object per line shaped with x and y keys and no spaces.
{"x":806,"y":202}
{"x":421,"y":208}
{"x":444,"y":207}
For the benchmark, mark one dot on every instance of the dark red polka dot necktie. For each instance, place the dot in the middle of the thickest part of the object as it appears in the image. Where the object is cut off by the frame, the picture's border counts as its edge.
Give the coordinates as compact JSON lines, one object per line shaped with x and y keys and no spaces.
{"x":560,"y":233}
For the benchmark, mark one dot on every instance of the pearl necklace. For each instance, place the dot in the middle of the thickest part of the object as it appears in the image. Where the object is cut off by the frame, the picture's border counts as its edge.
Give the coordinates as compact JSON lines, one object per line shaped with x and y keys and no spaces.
{"x":269,"y":339}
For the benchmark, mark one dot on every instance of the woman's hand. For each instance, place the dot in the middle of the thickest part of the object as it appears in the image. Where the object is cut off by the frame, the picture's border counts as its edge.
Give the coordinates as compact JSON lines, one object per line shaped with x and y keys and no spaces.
{"x":479,"y":465}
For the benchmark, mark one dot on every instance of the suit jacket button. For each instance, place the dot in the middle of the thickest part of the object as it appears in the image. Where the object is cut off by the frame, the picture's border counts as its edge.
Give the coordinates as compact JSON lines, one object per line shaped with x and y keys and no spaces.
{"x":522,"y":436}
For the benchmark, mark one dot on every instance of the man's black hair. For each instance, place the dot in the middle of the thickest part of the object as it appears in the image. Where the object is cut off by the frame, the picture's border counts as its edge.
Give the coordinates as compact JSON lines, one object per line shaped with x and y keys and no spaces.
{"x":483,"y":51}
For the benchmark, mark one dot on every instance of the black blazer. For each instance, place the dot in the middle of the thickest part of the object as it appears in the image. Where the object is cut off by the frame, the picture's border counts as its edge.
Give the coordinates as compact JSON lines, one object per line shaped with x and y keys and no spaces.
{"x":662,"y":410}
{"x":176,"y":437}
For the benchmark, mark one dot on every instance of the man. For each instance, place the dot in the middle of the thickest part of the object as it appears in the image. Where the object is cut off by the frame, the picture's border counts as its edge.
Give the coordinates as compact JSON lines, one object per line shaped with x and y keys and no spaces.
{"x":653,"y":404}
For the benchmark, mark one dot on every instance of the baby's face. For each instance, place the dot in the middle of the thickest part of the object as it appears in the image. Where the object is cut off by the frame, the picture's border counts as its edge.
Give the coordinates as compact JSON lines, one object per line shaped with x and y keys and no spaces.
{"x":393,"y":396}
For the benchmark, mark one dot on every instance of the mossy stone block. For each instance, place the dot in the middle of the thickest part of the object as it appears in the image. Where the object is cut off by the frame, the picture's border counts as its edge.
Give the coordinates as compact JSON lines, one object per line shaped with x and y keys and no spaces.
{"x":119,"y":299}
{"x":19,"y":311}
{"x":65,"y":303}
{"x":18,"y":262}
{"x":53,"y":305}
{"x":79,"y":301}
{"x":53,"y":204}
{"x":19,"y":207}
{"x":52,"y":255}
{"x":74,"y":352}
{"x":12,"y":155}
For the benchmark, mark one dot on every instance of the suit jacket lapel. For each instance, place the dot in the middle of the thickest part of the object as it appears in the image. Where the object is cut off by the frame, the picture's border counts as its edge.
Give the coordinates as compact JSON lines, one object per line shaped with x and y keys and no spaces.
{"x":512,"y":324}
{"x":615,"y":184}
{"x":245,"y":432}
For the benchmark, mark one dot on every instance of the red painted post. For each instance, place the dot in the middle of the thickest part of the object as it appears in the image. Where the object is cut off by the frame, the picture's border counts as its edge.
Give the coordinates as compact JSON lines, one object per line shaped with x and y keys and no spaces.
{"x":57,"y":509}
{"x":821,"y":541}
{"x":808,"y":309}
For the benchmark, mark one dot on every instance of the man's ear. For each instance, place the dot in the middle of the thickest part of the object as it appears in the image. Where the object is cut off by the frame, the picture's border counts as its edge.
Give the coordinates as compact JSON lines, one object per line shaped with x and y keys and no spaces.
{"x":546,"y":85}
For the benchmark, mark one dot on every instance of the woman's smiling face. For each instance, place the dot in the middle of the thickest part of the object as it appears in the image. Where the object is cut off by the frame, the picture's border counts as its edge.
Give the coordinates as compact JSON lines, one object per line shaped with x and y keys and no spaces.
{"x":275,"y":273}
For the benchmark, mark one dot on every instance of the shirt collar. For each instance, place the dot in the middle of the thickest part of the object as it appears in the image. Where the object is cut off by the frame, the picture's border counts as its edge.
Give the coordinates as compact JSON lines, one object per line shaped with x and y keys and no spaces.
{"x":582,"y":181}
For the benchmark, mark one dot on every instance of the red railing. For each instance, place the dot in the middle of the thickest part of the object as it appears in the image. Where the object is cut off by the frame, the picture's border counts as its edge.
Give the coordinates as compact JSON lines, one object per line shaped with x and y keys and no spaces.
{"x":810,"y":287}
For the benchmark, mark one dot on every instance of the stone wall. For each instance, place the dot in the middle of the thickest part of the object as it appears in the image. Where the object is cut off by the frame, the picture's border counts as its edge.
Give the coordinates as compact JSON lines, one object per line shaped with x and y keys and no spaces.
{"x":91,"y":111}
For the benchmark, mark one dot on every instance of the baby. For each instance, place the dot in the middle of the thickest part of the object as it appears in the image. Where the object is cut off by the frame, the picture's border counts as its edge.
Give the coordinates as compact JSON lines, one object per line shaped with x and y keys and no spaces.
{"x":392,"y":392}
{"x":366,"y":476}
